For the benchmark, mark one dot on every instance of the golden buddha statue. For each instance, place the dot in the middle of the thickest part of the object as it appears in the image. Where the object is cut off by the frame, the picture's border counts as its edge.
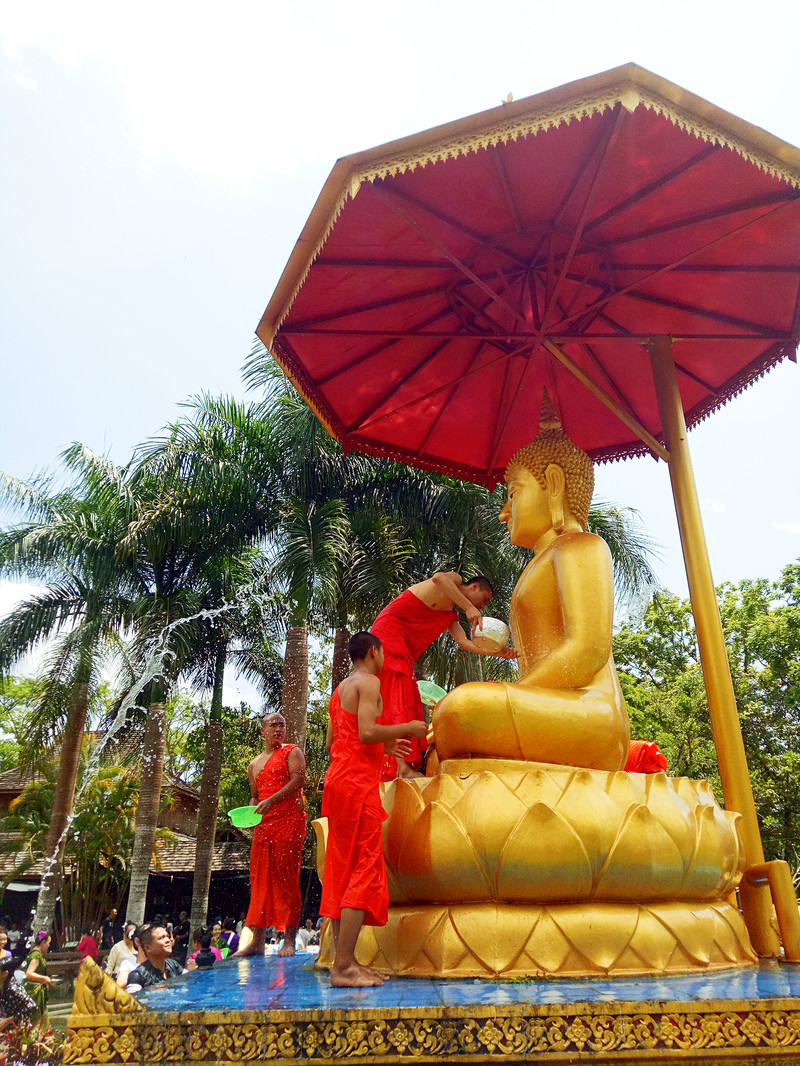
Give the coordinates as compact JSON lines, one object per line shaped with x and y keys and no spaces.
{"x":528,"y":849}
{"x":567,"y":707}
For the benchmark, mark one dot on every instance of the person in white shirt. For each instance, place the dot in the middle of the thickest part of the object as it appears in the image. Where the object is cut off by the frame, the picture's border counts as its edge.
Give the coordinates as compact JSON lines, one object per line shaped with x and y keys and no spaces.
{"x":122,"y":950}
{"x":304,"y":935}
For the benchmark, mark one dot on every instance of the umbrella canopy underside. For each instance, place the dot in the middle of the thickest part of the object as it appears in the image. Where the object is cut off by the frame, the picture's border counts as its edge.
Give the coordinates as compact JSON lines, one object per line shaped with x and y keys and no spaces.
{"x":442,"y":282}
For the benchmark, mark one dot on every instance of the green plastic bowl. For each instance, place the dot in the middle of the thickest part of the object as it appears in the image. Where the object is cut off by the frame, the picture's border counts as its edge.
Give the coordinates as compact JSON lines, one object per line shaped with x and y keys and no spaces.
{"x":244,"y":817}
{"x":430,"y":693}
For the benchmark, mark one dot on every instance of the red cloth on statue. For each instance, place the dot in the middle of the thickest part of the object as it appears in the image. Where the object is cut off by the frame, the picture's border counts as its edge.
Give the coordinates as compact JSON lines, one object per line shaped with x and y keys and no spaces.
{"x":406,"y":627}
{"x":277,"y":847}
{"x":644,"y":757}
{"x":355,"y":873}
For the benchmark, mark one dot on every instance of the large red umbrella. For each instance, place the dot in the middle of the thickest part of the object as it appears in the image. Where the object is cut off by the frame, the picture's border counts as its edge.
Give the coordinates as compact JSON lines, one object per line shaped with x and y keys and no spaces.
{"x":619,"y":241}
{"x":443,"y":280}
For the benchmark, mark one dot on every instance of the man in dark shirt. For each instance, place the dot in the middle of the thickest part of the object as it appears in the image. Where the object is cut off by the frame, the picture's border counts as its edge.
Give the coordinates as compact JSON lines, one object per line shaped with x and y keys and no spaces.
{"x":159,"y":966}
{"x":181,"y":933}
{"x":111,"y":932}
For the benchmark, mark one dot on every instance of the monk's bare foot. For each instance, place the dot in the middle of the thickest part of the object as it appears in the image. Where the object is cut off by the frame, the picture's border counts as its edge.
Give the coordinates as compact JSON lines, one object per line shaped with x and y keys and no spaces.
{"x":408,"y":773}
{"x":287,"y":949}
{"x":374,"y":973}
{"x":250,"y":944}
{"x":354,"y":976}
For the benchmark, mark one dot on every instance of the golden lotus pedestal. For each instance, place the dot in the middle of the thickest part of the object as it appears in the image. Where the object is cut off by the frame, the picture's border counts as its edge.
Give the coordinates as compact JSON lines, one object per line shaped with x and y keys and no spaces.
{"x":511,"y":869}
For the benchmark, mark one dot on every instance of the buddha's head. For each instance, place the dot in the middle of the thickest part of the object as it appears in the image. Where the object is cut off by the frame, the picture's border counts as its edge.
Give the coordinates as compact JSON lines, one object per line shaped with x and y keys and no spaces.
{"x":550,"y":484}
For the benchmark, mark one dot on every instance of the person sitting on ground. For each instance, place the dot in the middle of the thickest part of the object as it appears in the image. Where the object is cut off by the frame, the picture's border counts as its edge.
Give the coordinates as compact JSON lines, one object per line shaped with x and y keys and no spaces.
{"x":159,"y":965}
{"x":87,"y":946}
{"x":15,"y":1003}
{"x":198,"y":938}
{"x":37,"y":983}
{"x":354,"y":888}
{"x":122,"y":950}
{"x":229,"y":936}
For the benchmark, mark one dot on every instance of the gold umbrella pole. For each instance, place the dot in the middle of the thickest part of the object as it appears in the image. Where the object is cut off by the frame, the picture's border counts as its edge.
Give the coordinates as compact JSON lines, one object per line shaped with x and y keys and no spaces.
{"x":755,"y":896}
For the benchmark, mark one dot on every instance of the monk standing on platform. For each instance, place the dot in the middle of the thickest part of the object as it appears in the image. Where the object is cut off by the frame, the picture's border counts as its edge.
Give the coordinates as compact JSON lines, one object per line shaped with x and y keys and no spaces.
{"x":277,"y":777}
{"x":354,"y":887}
{"x":406,"y":627}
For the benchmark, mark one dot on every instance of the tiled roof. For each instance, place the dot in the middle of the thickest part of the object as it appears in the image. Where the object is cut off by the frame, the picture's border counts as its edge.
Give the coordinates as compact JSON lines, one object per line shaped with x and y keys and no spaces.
{"x":231,"y":856}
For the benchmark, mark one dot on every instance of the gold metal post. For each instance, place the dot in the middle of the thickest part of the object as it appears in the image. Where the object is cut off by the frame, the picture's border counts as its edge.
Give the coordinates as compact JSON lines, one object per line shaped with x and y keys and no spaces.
{"x":755,"y":898}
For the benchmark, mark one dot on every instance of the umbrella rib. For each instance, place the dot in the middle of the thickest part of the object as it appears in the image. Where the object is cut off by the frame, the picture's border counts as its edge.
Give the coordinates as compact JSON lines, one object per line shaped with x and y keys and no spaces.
{"x":701,"y":312}
{"x":387,"y":198}
{"x":446,"y":384}
{"x":598,"y":159}
{"x":600,"y":393}
{"x":364,"y":417}
{"x":695,"y":377}
{"x":502,"y":416}
{"x":779,"y":198}
{"x":393,"y":339}
{"x":346,"y":312}
{"x":714,"y":268}
{"x":482,"y":238}
{"x":444,"y":405}
{"x":506,"y":189}
{"x":654,"y":186}
{"x":605,"y":300}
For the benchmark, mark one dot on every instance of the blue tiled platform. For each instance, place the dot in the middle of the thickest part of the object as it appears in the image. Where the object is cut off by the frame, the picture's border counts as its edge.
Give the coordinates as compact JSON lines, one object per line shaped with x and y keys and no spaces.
{"x":290,"y":984}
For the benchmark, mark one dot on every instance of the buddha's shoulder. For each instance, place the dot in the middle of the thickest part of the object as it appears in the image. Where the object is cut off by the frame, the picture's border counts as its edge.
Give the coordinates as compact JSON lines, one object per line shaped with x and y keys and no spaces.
{"x":579,"y":543}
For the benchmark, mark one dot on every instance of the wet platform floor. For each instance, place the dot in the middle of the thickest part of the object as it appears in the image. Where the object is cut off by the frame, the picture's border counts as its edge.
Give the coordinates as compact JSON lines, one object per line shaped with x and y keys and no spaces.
{"x":272,"y":983}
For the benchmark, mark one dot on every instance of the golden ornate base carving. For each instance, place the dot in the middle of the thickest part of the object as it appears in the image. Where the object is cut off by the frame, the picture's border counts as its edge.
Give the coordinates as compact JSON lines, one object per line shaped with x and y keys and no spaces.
{"x":716,"y":1032}
{"x":565,"y":940}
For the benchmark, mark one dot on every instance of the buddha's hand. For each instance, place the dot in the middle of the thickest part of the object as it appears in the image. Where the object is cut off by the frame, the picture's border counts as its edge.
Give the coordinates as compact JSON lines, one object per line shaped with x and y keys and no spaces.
{"x":400,"y":747}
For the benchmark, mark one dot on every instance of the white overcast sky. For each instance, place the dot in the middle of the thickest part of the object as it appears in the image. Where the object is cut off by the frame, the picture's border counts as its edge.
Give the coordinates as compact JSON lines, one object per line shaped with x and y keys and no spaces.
{"x":158,"y":160}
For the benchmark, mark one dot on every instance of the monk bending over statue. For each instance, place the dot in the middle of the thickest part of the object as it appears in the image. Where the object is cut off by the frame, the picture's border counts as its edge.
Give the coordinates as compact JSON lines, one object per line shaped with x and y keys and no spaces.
{"x":406,"y":628}
{"x":567,"y":707}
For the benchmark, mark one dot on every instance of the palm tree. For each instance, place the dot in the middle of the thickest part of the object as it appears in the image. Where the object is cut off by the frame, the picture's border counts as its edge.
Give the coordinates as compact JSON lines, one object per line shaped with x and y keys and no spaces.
{"x":68,"y":543}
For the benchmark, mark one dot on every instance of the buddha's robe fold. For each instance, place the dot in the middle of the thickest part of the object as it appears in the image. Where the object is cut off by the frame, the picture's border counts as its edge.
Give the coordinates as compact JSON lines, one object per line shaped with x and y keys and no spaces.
{"x":355,"y":873}
{"x":277,"y":847}
{"x":405,"y":628}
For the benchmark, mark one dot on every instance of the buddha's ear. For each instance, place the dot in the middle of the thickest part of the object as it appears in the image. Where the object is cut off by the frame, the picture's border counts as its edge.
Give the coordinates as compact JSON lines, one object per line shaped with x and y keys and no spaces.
{"x":555,"y":481}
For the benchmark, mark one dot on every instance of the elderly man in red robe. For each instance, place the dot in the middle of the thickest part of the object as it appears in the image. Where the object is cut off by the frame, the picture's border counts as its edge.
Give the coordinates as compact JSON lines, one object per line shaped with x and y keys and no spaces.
{"x":277,"y":777}
{"x":405,"y":628}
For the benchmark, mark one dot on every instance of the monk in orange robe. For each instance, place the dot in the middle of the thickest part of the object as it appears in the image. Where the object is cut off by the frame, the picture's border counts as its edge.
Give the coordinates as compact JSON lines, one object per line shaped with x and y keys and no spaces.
{"x":354,"y":888}
{"x":276,"y":778}
{"x":406,"y":627}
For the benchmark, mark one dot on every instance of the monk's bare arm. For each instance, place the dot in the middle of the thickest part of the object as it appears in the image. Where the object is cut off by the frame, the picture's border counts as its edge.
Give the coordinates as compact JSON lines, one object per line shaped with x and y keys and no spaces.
{"x":296,"y":765}
{"x":252,"y":777}
{"x":449,"y":585}
{"x":369,"y":732}
{"x":587,"y":609}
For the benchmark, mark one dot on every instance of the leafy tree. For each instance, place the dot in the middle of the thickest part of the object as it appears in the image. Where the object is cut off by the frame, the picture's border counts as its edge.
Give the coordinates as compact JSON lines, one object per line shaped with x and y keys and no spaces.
{"x":68,"y":543}
{"x":662,"y":681}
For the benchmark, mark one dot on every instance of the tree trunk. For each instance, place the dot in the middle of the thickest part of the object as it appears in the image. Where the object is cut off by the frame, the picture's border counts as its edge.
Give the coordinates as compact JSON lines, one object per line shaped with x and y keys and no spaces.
{"x":71,"y":744}
{"x":341,"y":660}
{"x":209,"y":800}
{"x":294,"y":696}
{"x":148,"y":810}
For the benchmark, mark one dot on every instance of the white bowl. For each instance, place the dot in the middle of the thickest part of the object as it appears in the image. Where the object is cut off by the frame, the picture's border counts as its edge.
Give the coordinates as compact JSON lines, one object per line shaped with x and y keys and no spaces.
{"x":493,"y":635}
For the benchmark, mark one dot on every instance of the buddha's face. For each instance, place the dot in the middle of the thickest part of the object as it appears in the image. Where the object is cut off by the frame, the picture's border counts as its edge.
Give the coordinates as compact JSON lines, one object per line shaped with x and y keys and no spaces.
{"x":527,"y":509}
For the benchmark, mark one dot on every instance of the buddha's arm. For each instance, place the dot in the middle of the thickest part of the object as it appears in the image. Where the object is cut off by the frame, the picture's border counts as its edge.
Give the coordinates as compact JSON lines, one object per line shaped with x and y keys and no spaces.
{"x":585,"y":583}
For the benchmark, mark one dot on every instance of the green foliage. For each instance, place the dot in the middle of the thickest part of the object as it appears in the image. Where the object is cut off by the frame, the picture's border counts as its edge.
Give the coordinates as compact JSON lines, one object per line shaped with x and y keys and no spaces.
{"x":99,"y":840}
{"x":662,"y":680}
